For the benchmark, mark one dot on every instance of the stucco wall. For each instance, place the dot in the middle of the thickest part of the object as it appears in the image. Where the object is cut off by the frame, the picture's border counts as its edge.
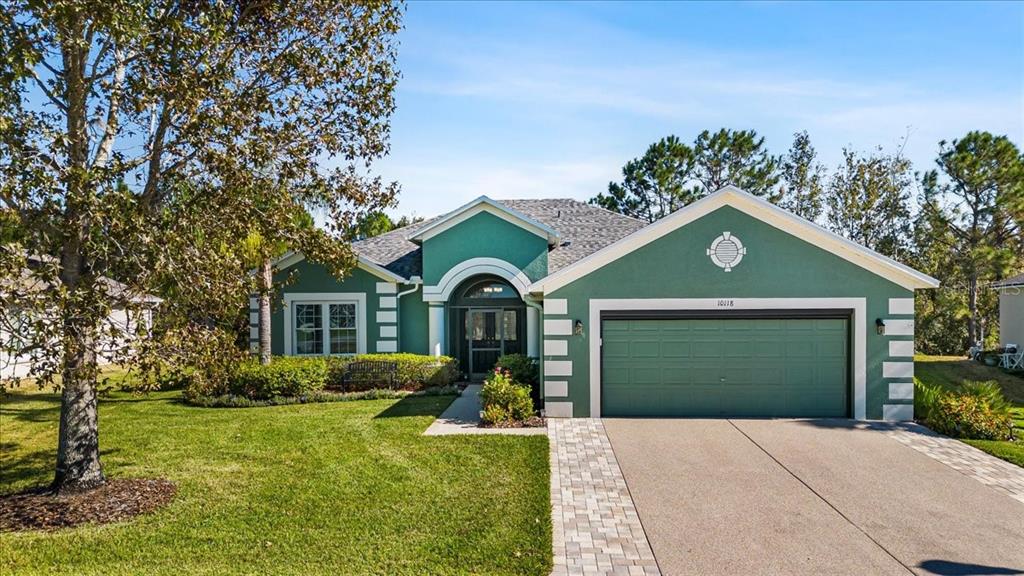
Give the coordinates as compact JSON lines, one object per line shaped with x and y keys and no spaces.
{"x":484,"y":235}
{"x":308,"y":277}
{"x":777,"y":265}
{"x":1011,"y":316}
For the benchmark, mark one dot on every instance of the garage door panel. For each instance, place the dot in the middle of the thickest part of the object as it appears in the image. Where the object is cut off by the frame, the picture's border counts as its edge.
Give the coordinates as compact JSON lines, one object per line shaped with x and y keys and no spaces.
{"x":793,"y":367}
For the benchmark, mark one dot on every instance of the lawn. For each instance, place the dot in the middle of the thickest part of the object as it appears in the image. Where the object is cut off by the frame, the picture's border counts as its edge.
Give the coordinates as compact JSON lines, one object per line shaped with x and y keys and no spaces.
{"x":343,"y":488}
{"x":951,"y":371}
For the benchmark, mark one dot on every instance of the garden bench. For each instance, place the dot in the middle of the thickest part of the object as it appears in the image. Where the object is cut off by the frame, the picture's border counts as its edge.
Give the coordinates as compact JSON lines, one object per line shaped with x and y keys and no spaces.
{"x":373,"y":371}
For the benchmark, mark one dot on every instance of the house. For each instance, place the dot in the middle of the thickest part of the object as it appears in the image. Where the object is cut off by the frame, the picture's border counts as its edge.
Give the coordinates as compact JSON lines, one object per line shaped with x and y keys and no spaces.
{"x":134,"y":313}
{"x":1011,"y":310}
{"x":730,"y":306}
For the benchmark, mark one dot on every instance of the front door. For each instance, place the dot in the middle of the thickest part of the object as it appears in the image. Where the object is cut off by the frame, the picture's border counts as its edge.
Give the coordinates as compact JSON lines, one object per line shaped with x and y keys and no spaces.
{"x":490,"y":333}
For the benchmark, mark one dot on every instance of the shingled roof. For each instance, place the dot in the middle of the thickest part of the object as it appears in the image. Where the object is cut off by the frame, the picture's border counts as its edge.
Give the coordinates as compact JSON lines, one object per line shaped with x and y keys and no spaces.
{"x":1017,"y":280}
{"x":583,"y":230}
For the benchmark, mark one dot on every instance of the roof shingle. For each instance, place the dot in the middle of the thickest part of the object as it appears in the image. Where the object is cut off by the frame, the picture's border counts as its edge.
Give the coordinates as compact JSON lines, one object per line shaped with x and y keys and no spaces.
{"x":584,"y":229}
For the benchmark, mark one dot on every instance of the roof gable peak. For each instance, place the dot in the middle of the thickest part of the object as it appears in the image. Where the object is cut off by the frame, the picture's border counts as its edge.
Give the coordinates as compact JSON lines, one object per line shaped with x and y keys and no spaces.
{"x":494,"y":207}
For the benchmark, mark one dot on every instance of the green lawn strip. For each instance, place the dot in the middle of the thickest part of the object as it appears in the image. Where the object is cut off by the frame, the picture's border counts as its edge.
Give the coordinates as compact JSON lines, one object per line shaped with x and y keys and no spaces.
{"x":346,"y":488}
{"x":949,"y":372}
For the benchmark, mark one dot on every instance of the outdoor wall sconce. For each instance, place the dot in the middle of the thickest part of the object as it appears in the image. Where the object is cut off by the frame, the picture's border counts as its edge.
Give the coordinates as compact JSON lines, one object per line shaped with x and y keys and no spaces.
{"x":880,"y":326}
{"x":577,"y":328}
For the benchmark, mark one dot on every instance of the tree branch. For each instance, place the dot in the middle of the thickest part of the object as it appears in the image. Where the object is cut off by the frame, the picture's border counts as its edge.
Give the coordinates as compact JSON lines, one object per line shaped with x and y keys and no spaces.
{"x":110,"y":129}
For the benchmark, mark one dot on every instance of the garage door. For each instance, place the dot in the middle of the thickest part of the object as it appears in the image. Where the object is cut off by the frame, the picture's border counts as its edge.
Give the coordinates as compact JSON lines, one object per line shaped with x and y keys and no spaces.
{"x":781,"y":367}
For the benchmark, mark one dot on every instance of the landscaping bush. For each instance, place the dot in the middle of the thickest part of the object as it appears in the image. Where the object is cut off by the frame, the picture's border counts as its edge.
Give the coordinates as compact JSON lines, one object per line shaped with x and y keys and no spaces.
{"x":978,"y":411}
{"x":415,"y":371}
{"x":234,"y":401}
{"x":284,"y":376}
{"x":504,"y":401}
{"x":525,"y":371}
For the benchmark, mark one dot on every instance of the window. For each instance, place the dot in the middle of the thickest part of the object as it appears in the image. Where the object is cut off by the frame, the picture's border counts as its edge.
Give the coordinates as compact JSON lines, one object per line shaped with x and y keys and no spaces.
{"x":309,"y":335}
{"x":325,"y":328}
{"x":343,"y":328}
{"x":490,"y":289}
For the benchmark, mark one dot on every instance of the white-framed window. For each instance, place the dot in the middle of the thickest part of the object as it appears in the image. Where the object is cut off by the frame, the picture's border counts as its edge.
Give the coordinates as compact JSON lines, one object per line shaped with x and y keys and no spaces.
{"x":321,"y":328}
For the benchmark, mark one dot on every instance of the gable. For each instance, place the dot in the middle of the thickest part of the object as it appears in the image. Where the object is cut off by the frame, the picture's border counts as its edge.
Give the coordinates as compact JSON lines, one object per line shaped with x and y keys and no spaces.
{"x":484,"y":204}
{"x":757,"y":209}
{"x":484,"y":235}
{"x":776,"y":265}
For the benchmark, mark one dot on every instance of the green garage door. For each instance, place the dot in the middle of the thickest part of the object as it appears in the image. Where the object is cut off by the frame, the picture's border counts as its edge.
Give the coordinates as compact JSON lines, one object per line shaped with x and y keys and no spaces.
{"x":781,"y":367}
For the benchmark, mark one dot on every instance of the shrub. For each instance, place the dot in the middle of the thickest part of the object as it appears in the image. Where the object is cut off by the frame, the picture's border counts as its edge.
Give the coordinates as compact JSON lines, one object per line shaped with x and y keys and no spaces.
{"x":233,"y":401}
{"x":503,"y":400}
{"x":978,"y":411}
{"x":415,"y":371}
{"x":523,"y":369}
{"x":284,"y":376}
{"x":925,"y":398}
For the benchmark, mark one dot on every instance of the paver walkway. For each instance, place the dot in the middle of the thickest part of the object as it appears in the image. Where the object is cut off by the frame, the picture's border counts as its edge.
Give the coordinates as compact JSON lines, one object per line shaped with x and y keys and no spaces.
{"x":596,"y":526}
{"x":963,"y":458}
{"x":462,"y":416}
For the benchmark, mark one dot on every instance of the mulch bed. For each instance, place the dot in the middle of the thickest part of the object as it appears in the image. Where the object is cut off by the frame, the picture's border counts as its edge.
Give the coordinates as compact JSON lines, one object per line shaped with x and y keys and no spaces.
{"x":116,"y":500}
{"x":532,"y":422}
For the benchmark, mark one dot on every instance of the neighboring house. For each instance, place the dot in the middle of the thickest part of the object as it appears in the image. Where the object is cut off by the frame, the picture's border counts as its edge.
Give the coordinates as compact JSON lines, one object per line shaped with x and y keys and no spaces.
{"x":730,"y":306}
{"x":1011,"y":310}
{"x":16,"y":361}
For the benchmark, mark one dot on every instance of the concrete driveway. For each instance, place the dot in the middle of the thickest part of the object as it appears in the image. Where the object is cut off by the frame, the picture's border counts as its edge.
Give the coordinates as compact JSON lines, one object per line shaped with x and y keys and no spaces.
{"x":808,"y":497}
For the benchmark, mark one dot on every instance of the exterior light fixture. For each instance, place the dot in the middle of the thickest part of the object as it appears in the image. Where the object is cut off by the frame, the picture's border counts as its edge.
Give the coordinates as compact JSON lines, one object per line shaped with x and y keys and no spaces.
{"x":577,"y":328}
{"x":880,"y":326}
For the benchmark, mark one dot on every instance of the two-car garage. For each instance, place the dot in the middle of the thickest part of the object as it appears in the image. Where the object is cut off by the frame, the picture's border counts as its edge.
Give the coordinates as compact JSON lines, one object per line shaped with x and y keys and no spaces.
{"x":782,"y":364}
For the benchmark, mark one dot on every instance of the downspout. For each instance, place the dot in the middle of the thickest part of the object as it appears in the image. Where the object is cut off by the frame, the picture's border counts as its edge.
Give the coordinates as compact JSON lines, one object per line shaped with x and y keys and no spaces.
{"x":416,"y":282}
{"x":529,"y":301}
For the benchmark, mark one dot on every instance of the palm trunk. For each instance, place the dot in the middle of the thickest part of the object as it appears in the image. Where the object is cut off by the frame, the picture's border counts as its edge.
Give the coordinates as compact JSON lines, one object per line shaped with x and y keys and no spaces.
{"x":266,"y":286}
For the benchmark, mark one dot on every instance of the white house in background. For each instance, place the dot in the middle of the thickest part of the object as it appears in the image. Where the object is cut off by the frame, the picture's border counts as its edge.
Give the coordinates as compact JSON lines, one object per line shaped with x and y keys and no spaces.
{"x":1011,"y":310}
{"x":15,"y":362}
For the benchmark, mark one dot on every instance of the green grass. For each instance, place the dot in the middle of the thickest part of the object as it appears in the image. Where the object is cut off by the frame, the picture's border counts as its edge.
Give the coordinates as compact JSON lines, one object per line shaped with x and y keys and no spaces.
{"x":343,"y":488}
{"x":950,"y":372}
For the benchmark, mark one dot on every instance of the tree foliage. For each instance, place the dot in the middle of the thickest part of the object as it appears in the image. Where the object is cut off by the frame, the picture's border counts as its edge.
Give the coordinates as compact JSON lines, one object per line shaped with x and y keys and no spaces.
{"x":868,"y":201}
{"x":672,"y":174}
{"x":144,"y":141}
{"x":654,"y":185}
{"x":803,"y":179}
{"x":969,"y":231}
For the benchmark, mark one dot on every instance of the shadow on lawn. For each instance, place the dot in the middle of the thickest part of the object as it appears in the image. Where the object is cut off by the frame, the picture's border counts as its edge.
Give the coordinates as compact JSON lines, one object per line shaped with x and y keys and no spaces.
{"x":36,"y":466}
{"x":417,"y":406}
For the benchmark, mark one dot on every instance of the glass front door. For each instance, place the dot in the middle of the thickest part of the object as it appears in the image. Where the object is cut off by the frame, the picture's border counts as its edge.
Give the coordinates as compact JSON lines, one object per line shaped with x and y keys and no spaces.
{"x":490,"y":333}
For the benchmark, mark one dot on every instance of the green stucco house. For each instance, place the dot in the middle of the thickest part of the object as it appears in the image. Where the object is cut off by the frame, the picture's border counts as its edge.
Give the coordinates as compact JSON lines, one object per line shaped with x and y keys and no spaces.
{"x":730,"y":306}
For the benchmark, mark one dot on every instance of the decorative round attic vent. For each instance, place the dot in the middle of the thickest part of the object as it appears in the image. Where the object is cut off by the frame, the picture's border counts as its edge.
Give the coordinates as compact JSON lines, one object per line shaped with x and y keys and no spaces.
{"x":727,"y":251}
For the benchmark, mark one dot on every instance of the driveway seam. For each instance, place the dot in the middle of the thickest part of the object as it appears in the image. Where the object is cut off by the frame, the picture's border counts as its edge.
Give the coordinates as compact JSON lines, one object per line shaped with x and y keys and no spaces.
{"x":822,"y":498}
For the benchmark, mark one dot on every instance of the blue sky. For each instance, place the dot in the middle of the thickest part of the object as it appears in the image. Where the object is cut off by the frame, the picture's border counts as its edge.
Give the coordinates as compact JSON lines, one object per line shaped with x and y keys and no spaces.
{"x":519,"y":100}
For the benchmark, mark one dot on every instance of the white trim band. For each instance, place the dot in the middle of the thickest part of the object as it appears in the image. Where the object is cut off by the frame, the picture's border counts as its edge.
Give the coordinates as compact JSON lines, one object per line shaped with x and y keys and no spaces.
{"x":558,"y":367}
{"x":897,"y":369}
{"x":556,"y":388}
{"x":556,"y":347}
{"x":898,"y":412}
{"x":557,"y":327}
{"x":901,"y":348}
{"x":558,"y":409}
{"x":556,"y":306}
{"x":901,"y":390}
{"x":901,"y":305}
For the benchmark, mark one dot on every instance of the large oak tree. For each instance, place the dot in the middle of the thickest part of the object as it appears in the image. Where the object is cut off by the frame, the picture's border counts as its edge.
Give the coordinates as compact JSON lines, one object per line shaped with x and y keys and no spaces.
{"x":142,"y":142}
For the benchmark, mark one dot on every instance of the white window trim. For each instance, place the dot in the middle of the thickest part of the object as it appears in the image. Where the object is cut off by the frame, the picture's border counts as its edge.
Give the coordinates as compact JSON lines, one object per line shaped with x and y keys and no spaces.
{"x":357,"y":298}
{"x":859,"y":322}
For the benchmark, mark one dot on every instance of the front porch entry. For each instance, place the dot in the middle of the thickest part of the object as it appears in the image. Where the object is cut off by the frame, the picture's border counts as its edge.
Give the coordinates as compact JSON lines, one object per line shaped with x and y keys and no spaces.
{"x":488,"y":320}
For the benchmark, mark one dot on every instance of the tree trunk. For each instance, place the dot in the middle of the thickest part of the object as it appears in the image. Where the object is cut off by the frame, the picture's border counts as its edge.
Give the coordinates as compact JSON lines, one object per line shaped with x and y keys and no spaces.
{"x":972,"y":307}
{"x":266,"y":287}
{"x":78,"y":447}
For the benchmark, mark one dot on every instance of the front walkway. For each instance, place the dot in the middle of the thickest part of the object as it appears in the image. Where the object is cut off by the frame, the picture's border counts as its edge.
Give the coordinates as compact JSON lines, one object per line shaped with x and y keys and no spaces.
{"x":463,"y":417}
{"x":596,"y":526}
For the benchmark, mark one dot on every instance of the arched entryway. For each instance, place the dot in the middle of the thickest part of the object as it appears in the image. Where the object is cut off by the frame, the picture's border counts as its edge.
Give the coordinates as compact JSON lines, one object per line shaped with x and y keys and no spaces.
{"x":487,"y":319}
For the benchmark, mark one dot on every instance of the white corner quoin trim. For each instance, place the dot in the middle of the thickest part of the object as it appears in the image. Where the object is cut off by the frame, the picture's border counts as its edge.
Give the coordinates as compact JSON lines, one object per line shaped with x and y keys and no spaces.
{"x":325,"y":298}
{"x":472,"y":267}
{"x":755,"y":207}
{"x":859,"y":323}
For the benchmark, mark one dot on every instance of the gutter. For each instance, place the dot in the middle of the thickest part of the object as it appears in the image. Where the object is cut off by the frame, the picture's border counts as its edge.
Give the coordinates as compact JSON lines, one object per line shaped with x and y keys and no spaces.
{"x":416,"y":282}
